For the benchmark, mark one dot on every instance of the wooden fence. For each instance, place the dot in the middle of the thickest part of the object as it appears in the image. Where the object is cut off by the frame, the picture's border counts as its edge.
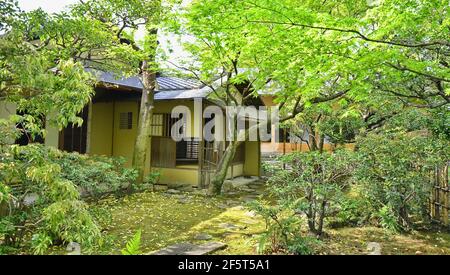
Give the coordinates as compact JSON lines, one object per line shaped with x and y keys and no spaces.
{"x":440,"y":195}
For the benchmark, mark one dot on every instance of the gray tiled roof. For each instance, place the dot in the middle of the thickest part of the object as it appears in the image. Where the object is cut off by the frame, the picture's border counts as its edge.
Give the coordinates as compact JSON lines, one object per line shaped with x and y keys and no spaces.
{"x":167,"y":88}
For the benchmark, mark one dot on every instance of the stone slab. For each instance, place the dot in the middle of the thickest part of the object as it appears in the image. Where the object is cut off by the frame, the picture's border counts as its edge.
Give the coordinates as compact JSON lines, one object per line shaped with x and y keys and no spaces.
{"x":191,"y":249}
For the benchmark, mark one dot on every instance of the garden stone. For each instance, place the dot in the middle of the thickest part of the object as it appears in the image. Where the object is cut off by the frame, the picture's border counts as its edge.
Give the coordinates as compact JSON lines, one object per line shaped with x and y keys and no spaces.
{"x":30,"y":199}
{"x":173,"y":191}
{"x":249,"y":198}
{"x":232,"y":203}
{"x":229,"y":226}
{"x":191,"y":249}
{"x":203,"y":237}
{"x":73,"y":248}
{"x":222,"y":206}
{"x":200,"y":192}
{"x":250,"y":214}
{"x":160,"y":188}
{"x":374,"y":248}
{"x":184,"y":201}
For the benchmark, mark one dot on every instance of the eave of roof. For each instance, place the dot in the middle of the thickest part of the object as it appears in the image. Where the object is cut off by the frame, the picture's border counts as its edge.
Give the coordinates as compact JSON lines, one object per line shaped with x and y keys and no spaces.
{"x":168,"y":88}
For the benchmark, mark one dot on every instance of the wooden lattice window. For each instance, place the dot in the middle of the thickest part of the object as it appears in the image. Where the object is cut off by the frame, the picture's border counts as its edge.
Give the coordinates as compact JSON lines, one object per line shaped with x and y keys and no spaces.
{"x":187,"y":151}
{"x":126,"y":121}
{"x":162,"y":125}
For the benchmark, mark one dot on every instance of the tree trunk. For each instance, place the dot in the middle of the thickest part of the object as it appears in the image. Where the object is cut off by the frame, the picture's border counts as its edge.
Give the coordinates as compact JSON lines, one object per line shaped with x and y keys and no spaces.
{"x":143,"y":140}
{"x":310,"y":213}
{"x":323,"y":207}
{"x":215,"y":187}
{"x":321,"y":142}
{"x":312,"y":139}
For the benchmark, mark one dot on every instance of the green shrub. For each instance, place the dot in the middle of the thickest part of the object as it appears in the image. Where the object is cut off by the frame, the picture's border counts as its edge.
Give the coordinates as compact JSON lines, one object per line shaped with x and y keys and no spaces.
{"x":313,"y":184}
{"x":310,"y":187}
{"x":54,"y":214}
{"x":351,"y":211}
{"x":283,"y":233}
{"x":96,"y":176}
{"x":388,"y":219}
{"x":395,"y":172}
{"x":149,"y":182}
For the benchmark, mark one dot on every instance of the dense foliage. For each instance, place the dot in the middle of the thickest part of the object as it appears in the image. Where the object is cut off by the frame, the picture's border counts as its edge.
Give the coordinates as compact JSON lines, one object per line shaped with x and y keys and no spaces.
{"x":41,"y":191}
{"x":39,"y":207}
{"x":96,"y":176}
{"x":372,"y":72}
{"x":309,"y":189}
{"x":396,"y":172}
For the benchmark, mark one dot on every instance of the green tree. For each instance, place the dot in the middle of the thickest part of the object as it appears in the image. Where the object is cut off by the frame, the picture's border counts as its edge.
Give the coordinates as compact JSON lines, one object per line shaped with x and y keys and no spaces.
{"x":245,"y":59}
{"x":123,"y":19}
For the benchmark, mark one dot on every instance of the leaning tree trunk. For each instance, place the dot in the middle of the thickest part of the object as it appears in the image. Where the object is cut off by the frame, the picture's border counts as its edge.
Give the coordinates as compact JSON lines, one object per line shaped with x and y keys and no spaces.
{"x":215,"y":187}
{"x":143,"y":140}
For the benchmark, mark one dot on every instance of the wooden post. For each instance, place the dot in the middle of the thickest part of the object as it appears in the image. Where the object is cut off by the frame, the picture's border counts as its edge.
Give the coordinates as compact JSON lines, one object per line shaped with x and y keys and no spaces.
{"x":437,"y":185}
{"x":446,"y":194}
{"x":433,"y":195}
{"x":201,"y":151}
{"x":284,"y":146}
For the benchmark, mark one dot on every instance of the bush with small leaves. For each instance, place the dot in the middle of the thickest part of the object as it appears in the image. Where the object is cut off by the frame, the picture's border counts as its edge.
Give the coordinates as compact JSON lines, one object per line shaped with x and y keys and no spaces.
{"x":395,"y":171}
{"x":96,"y":176}
{"x":313,"y":184}
{"x":39,"y":207}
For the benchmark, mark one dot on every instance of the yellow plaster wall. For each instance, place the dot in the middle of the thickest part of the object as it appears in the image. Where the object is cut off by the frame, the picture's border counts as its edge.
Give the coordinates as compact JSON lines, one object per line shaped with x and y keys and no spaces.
{"x":51,"y":136}
{"x":101,"y":129}
{"x":252,"y":158}
{"x":123,"y":141}
{"x":173,"y":176}
{"x":237,"y":171}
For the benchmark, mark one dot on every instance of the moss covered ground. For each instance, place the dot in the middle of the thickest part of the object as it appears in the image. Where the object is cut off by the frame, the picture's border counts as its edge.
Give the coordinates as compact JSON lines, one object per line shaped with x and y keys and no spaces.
{"x":167,"y":219}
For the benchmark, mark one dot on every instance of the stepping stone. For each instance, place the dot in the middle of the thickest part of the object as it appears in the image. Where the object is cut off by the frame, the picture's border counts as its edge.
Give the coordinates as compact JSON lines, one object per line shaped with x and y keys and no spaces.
{"x":201,"y":192}
{"x":191,"y":249}
{"x":205,"y":249}
{"x":30,"y":199}
{"x":374,"y":248}
{"x":73,"y":248}
{"x":250,"y":214}
{"x":232,"y":203}
{"x":248,"y":190}
{"x":160,"y":188}
{"x":184,"y":201}
{"x":229,"y":226}
{"x":249,"y":198}
{"x":203,"y":237}
{"x":222,"y":206}
{"x":173,"y":191}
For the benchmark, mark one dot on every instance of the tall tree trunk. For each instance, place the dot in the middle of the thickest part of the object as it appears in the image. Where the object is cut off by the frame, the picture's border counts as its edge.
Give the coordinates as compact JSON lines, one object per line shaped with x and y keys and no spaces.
{"x":143,"y":140}
{"x":312,"y":139}
{"x":215,"y":187}
{"x":321,"y":142}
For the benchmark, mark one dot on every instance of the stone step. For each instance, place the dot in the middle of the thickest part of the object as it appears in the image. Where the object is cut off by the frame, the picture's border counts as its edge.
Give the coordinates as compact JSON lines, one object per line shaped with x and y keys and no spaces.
{"x":191,"y":249}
